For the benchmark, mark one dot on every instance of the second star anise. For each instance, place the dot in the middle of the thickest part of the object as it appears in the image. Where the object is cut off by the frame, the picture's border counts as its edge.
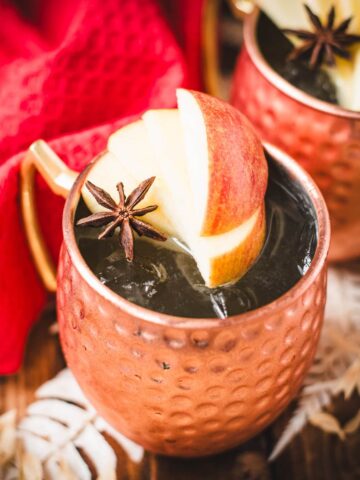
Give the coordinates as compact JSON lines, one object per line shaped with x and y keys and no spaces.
{"x":325,"y":41}
{"x":122,"y":215}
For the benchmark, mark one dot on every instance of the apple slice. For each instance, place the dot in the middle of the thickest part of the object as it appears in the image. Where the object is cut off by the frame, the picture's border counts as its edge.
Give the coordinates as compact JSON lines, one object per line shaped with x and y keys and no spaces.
{"x":130,"y":160}
{"x":355,"y":103}
{"x":350,"y":8}
{"x":346,"y":75}
{"x":225,"y":161}
{"x":163,"y":130}
{"x":225,"y":258}
{"x":291,"y":14}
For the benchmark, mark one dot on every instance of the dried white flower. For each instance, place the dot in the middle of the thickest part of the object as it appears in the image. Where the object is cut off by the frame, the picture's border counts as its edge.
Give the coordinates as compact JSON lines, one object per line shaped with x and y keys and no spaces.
{"x":328,"y":423}
{"x":61,"y":438}
{"x":336,"y":369}
{"x":353,"y":425}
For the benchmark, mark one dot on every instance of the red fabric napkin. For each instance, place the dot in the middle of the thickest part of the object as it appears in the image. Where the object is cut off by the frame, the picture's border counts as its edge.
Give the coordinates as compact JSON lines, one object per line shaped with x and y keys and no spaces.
{"x":81,"y":68}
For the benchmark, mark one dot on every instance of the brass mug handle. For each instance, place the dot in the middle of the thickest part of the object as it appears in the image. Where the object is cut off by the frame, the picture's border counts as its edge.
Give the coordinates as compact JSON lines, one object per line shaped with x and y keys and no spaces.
{"x":210,"y":51}
{"x":40,"y":157}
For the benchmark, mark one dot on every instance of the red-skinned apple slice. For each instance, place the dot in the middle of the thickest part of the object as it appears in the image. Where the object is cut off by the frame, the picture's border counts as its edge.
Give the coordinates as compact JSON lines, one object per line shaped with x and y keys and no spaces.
{"x":226,"y":163}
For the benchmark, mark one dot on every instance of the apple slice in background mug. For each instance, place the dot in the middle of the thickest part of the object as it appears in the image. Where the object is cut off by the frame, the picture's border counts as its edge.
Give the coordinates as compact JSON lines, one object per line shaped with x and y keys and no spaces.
{"x":198,"y":342}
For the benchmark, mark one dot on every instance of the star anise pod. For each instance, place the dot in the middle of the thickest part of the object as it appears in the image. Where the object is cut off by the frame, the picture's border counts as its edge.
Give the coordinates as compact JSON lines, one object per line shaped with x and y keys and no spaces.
{"x":122,"y":215}
{"x":324,"y":41}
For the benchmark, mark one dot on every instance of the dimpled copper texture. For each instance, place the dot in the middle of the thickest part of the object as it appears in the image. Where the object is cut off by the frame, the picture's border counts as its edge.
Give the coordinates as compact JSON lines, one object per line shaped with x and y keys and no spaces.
{"x":189,"y":387}
{"x":323,"y":138}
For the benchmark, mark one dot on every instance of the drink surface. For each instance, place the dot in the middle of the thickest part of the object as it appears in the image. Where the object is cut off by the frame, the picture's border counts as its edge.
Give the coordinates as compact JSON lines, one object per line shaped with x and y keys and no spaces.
{"x":168,"y":281}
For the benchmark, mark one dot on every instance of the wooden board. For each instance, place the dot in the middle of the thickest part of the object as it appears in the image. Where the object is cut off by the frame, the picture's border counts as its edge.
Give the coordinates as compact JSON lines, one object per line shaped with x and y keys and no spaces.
{"x":313,"y":455}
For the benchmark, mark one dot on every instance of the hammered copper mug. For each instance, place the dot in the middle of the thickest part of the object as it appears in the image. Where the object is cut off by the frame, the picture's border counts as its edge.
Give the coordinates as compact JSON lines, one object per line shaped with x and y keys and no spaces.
{"x":323,"y":138}
{"x":178,"y":386}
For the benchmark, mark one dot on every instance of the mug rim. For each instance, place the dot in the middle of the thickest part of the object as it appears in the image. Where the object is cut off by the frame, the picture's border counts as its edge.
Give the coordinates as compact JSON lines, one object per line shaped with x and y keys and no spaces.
{"x":158,"y":318}
{"x":252,"y":47}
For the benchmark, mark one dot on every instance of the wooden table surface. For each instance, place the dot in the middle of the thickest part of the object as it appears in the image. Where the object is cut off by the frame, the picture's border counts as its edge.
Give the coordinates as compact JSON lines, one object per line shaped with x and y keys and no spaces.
{"x":313,"y":455}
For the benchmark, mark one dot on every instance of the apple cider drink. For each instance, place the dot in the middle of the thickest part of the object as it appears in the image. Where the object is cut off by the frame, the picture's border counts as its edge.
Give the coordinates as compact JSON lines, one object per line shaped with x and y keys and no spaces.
{"x":186,"y":216}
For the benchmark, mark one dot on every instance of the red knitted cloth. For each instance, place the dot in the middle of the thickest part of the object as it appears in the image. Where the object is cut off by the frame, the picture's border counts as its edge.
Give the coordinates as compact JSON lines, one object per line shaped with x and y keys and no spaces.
{"x":66,"y":68}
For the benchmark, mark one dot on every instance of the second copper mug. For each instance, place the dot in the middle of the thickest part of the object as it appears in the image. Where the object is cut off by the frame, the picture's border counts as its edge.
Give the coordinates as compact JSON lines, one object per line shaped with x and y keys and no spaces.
{"x":225,"y":379}
{"x":323,"y":138}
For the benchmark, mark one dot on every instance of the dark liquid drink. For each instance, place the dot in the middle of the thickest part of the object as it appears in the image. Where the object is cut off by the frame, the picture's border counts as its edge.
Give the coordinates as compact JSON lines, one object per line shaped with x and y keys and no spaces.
{"x":168,"y":281}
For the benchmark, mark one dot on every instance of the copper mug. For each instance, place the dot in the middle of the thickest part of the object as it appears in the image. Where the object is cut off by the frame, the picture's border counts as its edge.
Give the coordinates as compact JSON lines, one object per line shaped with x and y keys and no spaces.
{"x":323,"y":138}
{"x":224,"y":381}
